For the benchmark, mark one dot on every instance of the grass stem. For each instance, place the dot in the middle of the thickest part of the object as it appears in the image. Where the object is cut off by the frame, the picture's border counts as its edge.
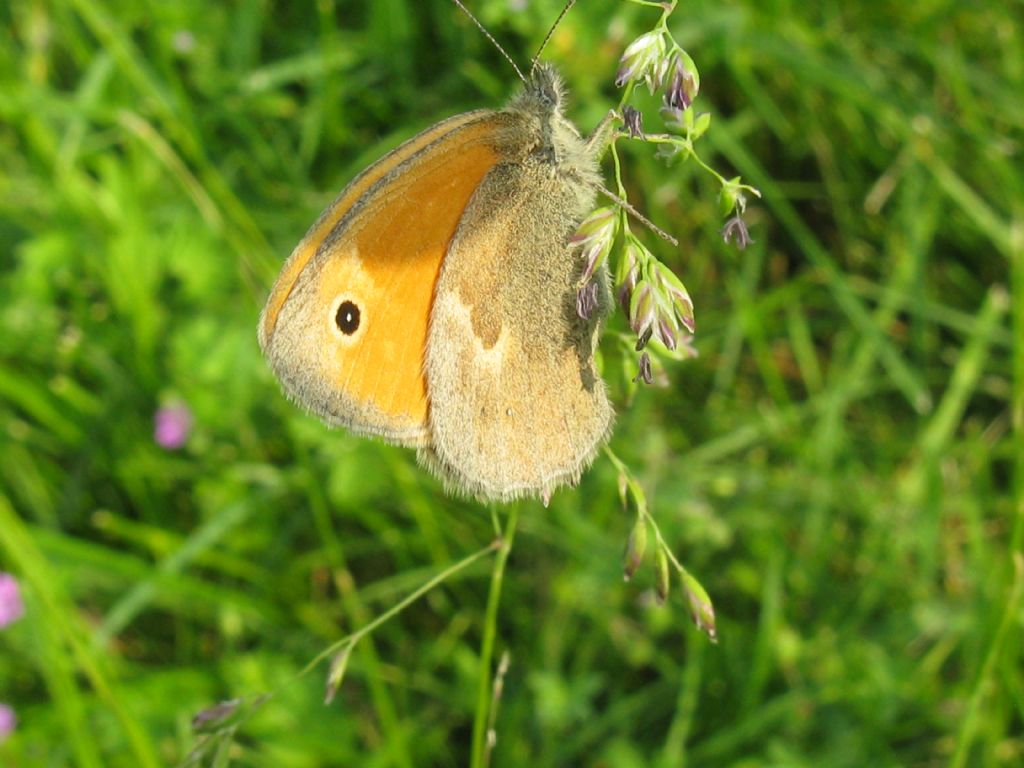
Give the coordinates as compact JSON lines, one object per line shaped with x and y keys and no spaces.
{"x":483,"y":702}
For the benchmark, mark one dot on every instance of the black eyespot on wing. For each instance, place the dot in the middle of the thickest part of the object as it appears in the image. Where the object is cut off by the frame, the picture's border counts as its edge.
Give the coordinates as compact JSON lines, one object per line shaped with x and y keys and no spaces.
{"x":347,"y":318}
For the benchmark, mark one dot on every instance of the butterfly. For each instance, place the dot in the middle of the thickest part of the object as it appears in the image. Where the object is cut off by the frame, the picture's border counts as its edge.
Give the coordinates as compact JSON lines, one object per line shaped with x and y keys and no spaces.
{"x":433,"y":303}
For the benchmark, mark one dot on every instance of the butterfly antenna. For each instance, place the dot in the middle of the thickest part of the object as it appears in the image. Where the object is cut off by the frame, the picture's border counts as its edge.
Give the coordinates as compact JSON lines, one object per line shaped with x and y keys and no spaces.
{"x":494,"y":42}
{"x":533,"y":64}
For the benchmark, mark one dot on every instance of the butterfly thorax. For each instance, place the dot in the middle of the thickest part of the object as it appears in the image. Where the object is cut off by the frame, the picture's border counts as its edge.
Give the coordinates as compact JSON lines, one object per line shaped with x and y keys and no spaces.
{"x":555,"y":142}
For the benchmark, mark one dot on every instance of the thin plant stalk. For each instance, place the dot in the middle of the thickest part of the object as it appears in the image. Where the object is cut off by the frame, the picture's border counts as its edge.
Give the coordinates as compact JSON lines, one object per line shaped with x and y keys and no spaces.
{"x":389,"y":614}
{"x":483,"y":701}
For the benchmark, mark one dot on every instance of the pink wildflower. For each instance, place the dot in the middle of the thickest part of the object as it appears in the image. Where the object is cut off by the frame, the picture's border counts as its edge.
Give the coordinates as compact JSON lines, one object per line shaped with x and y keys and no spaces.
{"x":8,"y":721}
{"x":11,"y":606}
{"x":172,"y":425}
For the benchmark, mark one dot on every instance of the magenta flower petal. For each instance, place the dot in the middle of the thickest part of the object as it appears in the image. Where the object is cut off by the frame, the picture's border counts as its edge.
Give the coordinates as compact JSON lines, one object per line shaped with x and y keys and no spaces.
{"x":646,"y":374}
{"x":172,"y":425}
{"x":8,"y":721}
{"x":641,"y":59}
{"x":736,"y":229}
{"x":11,"y":606}
{"x":586,"y":300}
{"x":642,"y":313}
{"x":634,"y":122}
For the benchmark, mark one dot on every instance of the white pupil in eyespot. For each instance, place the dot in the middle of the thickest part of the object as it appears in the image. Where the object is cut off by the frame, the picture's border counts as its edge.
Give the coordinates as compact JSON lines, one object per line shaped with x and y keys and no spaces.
{"x":347,"y":318}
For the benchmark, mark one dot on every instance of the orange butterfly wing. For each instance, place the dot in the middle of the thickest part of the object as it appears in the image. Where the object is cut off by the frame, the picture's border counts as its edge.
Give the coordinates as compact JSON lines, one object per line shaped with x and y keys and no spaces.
{"x":345,"y":326}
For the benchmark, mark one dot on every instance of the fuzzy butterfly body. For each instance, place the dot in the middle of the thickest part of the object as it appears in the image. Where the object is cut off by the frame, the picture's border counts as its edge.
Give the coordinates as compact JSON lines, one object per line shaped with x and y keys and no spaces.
{"x":433,"y":304}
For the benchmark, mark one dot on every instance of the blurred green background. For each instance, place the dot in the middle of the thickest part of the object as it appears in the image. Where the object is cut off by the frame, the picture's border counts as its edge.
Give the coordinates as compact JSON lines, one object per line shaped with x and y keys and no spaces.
{"x":842,"y":467}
